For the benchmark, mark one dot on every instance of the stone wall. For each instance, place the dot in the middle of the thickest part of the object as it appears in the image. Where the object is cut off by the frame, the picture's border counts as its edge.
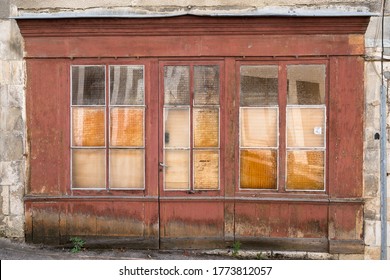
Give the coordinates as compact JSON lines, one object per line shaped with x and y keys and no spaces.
{"x":12,"y":127}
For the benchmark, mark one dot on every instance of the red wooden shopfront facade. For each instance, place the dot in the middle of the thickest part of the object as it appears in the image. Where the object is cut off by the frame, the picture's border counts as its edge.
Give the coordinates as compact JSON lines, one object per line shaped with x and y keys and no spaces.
{"x":160,"y":214}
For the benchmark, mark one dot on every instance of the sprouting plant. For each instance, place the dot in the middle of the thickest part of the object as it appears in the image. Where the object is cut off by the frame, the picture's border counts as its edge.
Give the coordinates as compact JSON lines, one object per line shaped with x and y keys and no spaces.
{"x":236,"y":248}
{"x":78,"y":244}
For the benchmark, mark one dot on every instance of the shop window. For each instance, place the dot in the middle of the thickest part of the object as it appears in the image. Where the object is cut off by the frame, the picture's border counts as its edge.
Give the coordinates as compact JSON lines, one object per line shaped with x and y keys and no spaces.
{"x":303,"y":130}
{"x":108,"y":145}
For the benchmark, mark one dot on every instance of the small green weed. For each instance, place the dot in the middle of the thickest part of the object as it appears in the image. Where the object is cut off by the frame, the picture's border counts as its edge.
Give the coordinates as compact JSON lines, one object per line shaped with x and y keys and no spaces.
{"x":236,"y":248}
{"x":78,"y":244}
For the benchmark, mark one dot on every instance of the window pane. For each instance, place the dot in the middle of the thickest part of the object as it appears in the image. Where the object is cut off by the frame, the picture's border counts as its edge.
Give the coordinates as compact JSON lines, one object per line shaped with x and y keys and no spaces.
{"x":305,"y":127}
{"x":127,"y":168}
{"x":258,"y":169}
{"x":177,"y":85}
{"x":206,"y":169}
{"x":126,"y":85}
{"x":88,"y":127}
{"x":177,"y":128}
{"x":306,"y":84}
{"x":88,"y":85}
{"x":305,"y":170}
{"x":259,"y":127}
{"x":127,"y":127}
{"x":206,"y":80}
{"x":177,"y":169}
{"x":206,"y":127}
{"x":259,"y":85}
{"x":88,"y":168}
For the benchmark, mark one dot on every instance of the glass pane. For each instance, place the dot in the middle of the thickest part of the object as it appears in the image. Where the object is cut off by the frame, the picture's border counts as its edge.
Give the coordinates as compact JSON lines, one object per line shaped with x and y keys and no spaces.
{"x":127,"y":168}
{"x":88,"y":168}
{"x":127,"y":127}
{"x":305,"y":127}
{"x":206,"y":85}
{"x":88,"y":85}
{"x":206,"y":127}
{"x":177,"y":128}
{"x":177,"y":171}
{"x":258,"y":169}
{"x":88,"y":127}
{"x":305,"y":170}
{"x":259,"y":127}
{"x":259,"y":85}
{"x":177,"y":85}
{"x":306,"y":84}
{"x":206,"y":170}
{"x":126,"y":85}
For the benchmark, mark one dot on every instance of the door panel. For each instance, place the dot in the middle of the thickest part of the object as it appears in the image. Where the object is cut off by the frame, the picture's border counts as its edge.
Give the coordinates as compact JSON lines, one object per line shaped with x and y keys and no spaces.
{"x":190,"y":156}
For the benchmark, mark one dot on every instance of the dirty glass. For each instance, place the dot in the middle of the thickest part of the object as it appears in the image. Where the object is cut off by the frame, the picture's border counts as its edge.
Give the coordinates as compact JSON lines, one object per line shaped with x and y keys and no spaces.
{"x":127,"y":168}
{"x":306,"y":84}
{"x":88,"y":126}
{"x":88,"y":85}
{"x":126,"y":127}
{"x":206,"y":169}
{"x":305,"y":127}
{"x":305,"y":170}
{"x":258,"y":127}
{"x":88,"y":168}
{"x":258,"y":169}
{"x":177,"y":85}
{"x":177,"y":128}
{"x":126,"y":85}
{"x":206,"y":85}
{"x":258,"y":85}
{"x":206,"y":127}
{"x":177,"y":170}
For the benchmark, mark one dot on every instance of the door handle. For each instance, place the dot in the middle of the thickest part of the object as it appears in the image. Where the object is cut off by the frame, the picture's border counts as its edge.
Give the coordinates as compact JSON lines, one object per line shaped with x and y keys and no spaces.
{"x":162,"y":164}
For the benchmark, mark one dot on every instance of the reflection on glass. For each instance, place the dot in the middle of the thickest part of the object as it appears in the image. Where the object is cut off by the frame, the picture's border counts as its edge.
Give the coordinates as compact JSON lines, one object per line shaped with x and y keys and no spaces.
{"x":127,"y":168}
{"x":177,"y":171}
{"x":177,"y":128}
{"x":177,"y":85}
{"x":126,"y":85}
{"x":88,"y":168}
{"x":305,"y":127}
{"x":88,"y":127}
{"x":206,"y":85}
{"x":127,"y":127}
{"x":258,"y":169}
{"x":88,"y":85}
{"x":206,"y":169}
{"x":206,"y":127}
{"x":259,"y":85}
{"x":305,"y":170}
{"x":258,"y":127}
{"x":306,"y":84}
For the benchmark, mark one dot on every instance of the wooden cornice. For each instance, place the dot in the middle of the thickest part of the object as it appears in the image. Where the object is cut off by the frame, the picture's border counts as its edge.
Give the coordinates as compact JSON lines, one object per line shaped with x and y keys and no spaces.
{"x":192,"y":25}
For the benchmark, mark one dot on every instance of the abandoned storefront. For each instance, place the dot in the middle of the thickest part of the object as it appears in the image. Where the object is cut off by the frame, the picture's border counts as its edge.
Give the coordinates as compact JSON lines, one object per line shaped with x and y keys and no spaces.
{"x":194,"y":132}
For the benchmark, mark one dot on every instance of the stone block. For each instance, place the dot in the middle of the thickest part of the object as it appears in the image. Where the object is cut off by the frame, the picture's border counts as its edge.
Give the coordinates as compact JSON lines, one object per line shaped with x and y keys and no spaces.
{"x":4,"y":72}
{"x":371,"y":185}
{"x":372,"y":208}
{"x":351,"y":257}
{"x":3,"y":95}
{"x":11,"y":119}
{"x":11,"y":146}
{"x":4,"y":8}
{"x":4,"y":200}
{"x":372,"y":253}
{"x":16,"y":96}
{"x":16,"y":203}
{"x":16,"y":69}
{"x":373,"y":82}
{"x":370,"y":142}
{"x":12,"y":172}
{"x":371,"y":163}
{"x":372,"y":235}
{"x":15,"y":227}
